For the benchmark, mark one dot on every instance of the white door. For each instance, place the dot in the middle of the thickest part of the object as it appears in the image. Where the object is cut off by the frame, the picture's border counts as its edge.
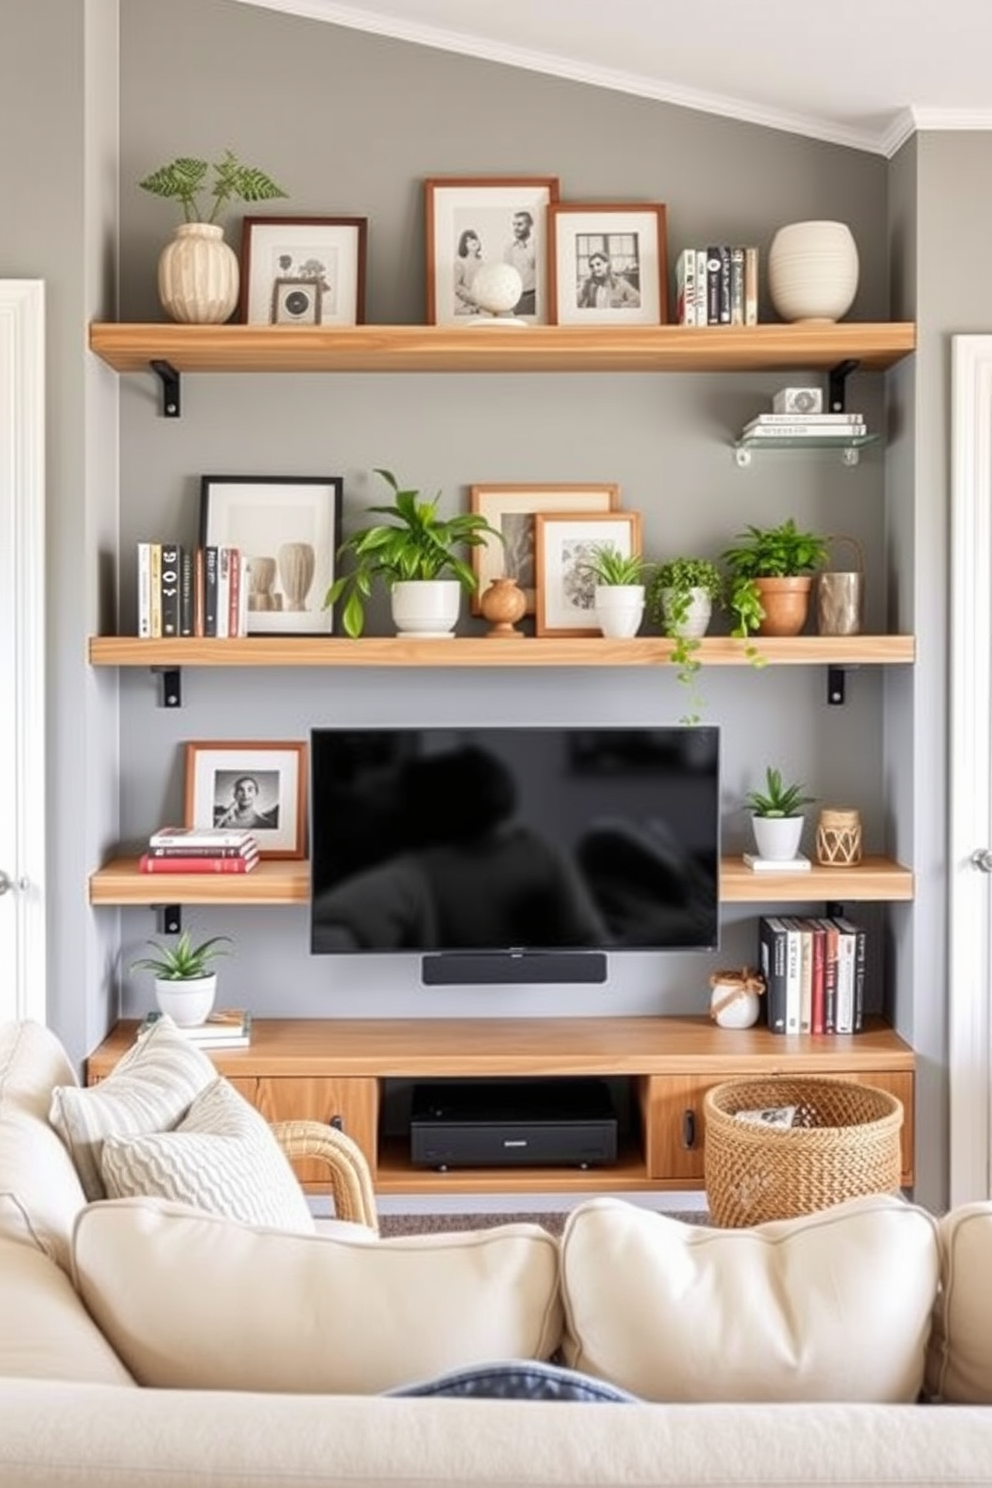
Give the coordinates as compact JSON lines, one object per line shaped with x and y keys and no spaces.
{"x":22,"y":648}
{"x":970,"y":756}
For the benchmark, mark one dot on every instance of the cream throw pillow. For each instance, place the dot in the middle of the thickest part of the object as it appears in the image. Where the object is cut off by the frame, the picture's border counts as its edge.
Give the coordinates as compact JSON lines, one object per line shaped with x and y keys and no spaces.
{"x":195,"y":1301}
{"x":831,"y":1306}
{"x":150,"y":1088}
{"x":222,"y":1157}
{"x":959,"y":1359}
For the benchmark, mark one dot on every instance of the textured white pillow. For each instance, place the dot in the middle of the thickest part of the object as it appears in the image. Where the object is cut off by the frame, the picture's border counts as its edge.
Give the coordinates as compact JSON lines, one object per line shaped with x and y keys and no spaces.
{"x":150,"y":1088}
{"x":830,"y":1306}
{"x":221,"y":1157}
{"x":196,"y":1301}
{"x":959,"y":1358}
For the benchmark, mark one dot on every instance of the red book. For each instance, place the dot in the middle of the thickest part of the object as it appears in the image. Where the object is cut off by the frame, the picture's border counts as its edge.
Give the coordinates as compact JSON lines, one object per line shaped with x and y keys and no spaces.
{"x":149,"y":864}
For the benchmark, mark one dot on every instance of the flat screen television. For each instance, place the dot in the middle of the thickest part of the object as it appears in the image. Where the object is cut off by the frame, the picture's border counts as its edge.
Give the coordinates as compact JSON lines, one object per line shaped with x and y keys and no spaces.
{"x":519,"y":854}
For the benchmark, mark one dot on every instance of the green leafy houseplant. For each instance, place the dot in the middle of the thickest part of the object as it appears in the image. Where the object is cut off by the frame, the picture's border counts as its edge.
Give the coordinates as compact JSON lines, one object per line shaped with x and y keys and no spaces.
{"x":609,"y":566}
{"x":183,"y":962}
{"x":185,"y":180}
{"x":777,"y":799}
{"x":415,"y":544}
{"x":670,"y":598}
{"x":767,"y":553}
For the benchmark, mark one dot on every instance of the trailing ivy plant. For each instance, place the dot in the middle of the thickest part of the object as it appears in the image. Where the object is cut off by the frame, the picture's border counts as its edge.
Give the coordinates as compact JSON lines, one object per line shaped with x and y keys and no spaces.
{"x":669,"y":599}
{"x":185,"y":180}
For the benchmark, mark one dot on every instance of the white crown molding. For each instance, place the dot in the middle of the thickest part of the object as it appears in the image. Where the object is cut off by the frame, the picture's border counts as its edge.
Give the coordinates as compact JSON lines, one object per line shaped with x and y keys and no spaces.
{"x":960,"y":119}
{"x":747,"y":112}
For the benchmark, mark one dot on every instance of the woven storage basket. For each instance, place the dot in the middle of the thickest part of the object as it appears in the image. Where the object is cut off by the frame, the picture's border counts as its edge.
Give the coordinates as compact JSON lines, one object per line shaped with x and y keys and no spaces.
{"x":845,"y":1142}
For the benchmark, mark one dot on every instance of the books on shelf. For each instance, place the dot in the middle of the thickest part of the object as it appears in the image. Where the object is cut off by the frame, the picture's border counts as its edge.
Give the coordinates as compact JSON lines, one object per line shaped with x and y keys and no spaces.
{"x":717,"y":285}
{"x":191,"y":591}
{"x":814,"y":426}
{"x":227,"y":1028}
{"x":815,"y":973}
{"x":799,"y":864}
{"x":212,"y":837}
{"x":200,"y":850}
{"x":212,"y":863}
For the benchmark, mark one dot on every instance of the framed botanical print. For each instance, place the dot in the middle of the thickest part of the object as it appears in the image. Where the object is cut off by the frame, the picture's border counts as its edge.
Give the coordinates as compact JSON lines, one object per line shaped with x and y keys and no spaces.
{"x":477,"y":220}
{"x":511,"y":509}
{"x":306,"y":271}
{"x":565,"y":586}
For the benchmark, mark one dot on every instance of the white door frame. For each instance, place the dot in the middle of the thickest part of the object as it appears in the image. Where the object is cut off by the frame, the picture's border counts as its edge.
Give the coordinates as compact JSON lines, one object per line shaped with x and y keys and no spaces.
{"x":22,"y":645}
{"x":969,"y":889}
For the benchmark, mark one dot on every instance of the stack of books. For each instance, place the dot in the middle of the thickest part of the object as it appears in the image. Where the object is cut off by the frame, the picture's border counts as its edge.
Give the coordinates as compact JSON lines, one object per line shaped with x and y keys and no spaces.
{"x":200,"y":850}
{"x":717,"y":285}
{"x":191,"y":591}
{"x":823,"y":426}
{"x":227,"y":1028}
{"x":814,"y":971}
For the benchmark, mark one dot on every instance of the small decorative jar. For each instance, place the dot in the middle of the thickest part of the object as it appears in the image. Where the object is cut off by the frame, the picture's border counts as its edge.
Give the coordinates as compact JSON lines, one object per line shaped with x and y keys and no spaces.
{"x":503,"y":603}
{"x":734,"y":997}
{"x":838,"y":837}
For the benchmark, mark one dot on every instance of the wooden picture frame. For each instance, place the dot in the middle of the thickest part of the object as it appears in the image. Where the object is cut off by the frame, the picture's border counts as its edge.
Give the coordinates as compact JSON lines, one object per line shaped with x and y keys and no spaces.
{"x":287,"y":526}
{"x":307,"y":271}
{"x":608,"y":263}
{"x":511,"y":509}
{"x":564,"y":542}
{"x":491,"y":209}
{"x":274,"y":808}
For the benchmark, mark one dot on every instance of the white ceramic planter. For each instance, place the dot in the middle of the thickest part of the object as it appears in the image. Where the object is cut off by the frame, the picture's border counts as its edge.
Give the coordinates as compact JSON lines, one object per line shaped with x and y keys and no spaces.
{"x":619,"y":609}
{"x":428,"y":608}
{"x":813,"y":271}
{"x":698,"y":614}
{"x":778,"y":836}
{"x":187,"y":1003}
{"x":198,"y":275}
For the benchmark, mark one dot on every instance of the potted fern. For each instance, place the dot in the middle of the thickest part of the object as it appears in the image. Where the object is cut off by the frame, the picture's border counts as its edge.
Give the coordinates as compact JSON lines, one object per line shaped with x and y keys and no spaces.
{"x":618,"y":596}
{"x":411,"y":552}
{"x":198,"y":276}
{"x":777,"y":817}
{"x":185,"y":985}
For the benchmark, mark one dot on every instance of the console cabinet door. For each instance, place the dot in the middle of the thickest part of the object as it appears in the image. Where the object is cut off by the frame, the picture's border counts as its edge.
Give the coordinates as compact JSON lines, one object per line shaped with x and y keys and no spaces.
{"x":351,"y":1104}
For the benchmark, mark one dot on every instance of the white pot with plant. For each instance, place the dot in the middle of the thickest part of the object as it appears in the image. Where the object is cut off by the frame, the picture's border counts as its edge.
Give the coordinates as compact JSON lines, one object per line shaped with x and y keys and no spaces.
{"x":777,"y":816}
{"x":619,"y":594}
{"x":681,"y":598}
{"x":198,"y":276}
{"x":185,"y":987}
{"x":413,"y":553}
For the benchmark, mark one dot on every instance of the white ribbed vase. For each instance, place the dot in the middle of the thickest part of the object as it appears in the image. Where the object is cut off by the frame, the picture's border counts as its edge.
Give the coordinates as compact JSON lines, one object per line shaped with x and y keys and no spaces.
{"x":813,"y":271}
{"x":198,"y":275}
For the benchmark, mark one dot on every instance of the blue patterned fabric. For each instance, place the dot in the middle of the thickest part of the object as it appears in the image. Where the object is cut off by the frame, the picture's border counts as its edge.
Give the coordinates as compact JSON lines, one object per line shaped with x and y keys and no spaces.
{"x":518,"y":1379}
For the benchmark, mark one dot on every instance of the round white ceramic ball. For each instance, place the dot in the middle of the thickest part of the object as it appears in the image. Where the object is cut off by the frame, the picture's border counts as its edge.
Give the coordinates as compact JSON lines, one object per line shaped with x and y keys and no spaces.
{"x":497,"y":288}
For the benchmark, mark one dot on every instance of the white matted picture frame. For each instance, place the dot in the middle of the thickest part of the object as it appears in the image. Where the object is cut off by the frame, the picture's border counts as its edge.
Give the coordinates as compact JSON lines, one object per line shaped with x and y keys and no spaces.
{"x":307,"y":271}
{"x":476,"y":220}
{"x":255,"y":786}
{"x":565,"y":544}
{"x":511,"y":509}
{"x":608,"y":263}
{"x":287,"y":527}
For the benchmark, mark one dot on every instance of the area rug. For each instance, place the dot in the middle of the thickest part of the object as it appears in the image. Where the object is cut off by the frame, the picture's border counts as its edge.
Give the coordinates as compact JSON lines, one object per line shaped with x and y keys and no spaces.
{"x":391,"y":1225}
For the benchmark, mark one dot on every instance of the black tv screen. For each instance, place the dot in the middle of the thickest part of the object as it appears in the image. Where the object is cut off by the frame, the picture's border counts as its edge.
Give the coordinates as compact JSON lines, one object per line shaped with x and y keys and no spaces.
{"x":514,"y":854}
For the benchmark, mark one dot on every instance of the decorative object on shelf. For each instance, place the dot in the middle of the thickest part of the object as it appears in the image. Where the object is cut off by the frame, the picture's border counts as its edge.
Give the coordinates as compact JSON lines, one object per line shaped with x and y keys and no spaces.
{"x":288,"y":526}
{"x":477,"y":220}
{"x":840,"y":594}
{"x":734,"y":997}
{"x":802,"y":400}
{"x":243,"y":786}
{"x":503,"y":604}
{"x":813,"y":271}
{"x":681,"y":597}
{"x":618,"y":595}
{"x":510,"y":511}
{"x":838,"y":837}
{"x":566,"y":585}
{"x":496,"y":291}
{"x":198,"y":277}
{"x":417,"y":547}
{"x":303,"y":271}
{"x":771,"y":571}
{"x":185,"y":987}
{"x":609,"y":263}
{"x":777,"y":817}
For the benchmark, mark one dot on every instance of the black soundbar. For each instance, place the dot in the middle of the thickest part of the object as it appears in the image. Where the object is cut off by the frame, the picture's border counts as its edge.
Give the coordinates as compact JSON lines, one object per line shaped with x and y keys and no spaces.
{"x":503,"y":968}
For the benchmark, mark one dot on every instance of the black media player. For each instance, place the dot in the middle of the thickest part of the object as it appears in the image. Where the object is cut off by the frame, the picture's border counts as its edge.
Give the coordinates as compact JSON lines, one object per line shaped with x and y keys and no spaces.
{"x":561,"y":1122}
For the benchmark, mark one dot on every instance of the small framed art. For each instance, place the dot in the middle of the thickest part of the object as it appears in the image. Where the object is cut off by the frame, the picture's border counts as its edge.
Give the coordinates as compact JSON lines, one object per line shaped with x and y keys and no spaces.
{"x":565,"y":544}
{"x":303,"y":271}
{"x":511,"y":510}
{"x":287,"y":527}
{"x":608,"y":263}
{"x":257,"y":787}
{"x":476,"y":220}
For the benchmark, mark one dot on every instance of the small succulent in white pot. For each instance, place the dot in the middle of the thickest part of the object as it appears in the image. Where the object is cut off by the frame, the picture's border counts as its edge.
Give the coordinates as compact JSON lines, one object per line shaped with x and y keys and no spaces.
{"x":185,"y":985}
{"x":620,"y":590}
{"x":777,"y":815}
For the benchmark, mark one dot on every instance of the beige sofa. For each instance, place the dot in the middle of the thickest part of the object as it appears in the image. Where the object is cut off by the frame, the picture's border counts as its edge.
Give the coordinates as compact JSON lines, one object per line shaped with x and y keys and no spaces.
{"x":791,"y":1354}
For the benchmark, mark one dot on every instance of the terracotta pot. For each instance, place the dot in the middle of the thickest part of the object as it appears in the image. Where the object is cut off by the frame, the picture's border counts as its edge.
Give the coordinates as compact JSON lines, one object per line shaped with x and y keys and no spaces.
{"x":785,"y":603}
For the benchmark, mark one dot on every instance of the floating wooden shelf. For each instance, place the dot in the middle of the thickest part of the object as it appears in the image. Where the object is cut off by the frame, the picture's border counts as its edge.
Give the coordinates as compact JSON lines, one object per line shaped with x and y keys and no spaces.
{"x":417,"y":348}
{"x":313,"y":651}
{"x":282,"y":882}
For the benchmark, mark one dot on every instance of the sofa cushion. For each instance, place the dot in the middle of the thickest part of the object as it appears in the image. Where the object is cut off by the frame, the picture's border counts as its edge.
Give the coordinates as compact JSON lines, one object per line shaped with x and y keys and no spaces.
{"x":46,"y":1332}
{"x":518,"y":1379}
{"x":959,"y":1359}
{"x":196,"y":1300}
{"x":831,"y":1306}
{"x":150,"y":1089}
{"x":222,"y":1157}
{"x":42,"y":1189}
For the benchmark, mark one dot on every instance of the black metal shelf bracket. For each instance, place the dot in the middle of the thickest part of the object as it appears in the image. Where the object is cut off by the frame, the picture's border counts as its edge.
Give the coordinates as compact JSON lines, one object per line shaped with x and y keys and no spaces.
{"x":837,"y":384}
{"x":836,"y":686}
{"x":170,"y":919}
{"x":172,"y":686}
{"x":169,"y":378}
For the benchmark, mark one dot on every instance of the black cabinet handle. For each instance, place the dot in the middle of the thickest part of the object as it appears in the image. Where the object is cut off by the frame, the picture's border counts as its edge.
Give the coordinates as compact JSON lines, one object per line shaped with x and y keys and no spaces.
{"x":337,"y":1121}
{"x":688,"y":1128}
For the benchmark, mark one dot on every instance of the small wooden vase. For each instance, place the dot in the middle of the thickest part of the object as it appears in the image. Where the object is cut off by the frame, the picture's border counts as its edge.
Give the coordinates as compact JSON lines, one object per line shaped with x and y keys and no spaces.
{"x":503,"y":603}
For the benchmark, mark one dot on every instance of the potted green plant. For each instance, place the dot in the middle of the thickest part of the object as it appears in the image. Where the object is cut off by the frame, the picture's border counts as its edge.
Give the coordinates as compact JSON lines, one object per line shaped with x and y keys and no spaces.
{"x":771,"y":570}
{"x":185,"y":985}
{"x":777,"y":816}
{"x":618,"y":597}
{"x":411,"y":553}
{"x":198,"y":276}
{"x":681,"y":597}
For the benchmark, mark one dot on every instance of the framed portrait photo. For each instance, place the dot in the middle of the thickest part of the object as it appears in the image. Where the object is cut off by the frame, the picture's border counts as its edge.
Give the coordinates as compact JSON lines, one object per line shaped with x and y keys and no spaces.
{"x":256,"y":787}
{"x":512,"y":510}
{"x":476,"y":220}
{"x":287,"y":527}
{"x":608,"y":264}
{"x":565,"y":545}
{"x":303,"y":271}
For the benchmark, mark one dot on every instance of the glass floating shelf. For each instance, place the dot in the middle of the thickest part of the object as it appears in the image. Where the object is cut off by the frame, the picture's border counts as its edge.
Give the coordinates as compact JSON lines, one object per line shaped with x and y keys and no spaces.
{"x":850,"y":446}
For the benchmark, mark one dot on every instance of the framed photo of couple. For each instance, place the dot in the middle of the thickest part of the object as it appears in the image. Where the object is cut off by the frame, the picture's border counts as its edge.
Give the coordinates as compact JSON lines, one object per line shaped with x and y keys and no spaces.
{"x":481,"y":220}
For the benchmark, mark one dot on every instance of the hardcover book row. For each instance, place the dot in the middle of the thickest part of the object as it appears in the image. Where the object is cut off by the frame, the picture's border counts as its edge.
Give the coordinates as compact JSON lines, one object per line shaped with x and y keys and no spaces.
{"x":717,"y":285}
{"x":814,"y":971}
{"x":192,"y":591}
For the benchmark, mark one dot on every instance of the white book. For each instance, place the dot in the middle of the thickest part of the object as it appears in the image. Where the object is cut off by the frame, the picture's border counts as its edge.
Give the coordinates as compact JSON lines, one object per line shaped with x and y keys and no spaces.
{"x":798,"y":864}
{"x":845,"y":982}
{"x":144,"y":590}
{"x":793,"y":974}
{"x":819,"y":420}
{"x":223,"y":592}
{"x":202,"y":837}
{"x":803,"y":431}
{"x":685,"y":287}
